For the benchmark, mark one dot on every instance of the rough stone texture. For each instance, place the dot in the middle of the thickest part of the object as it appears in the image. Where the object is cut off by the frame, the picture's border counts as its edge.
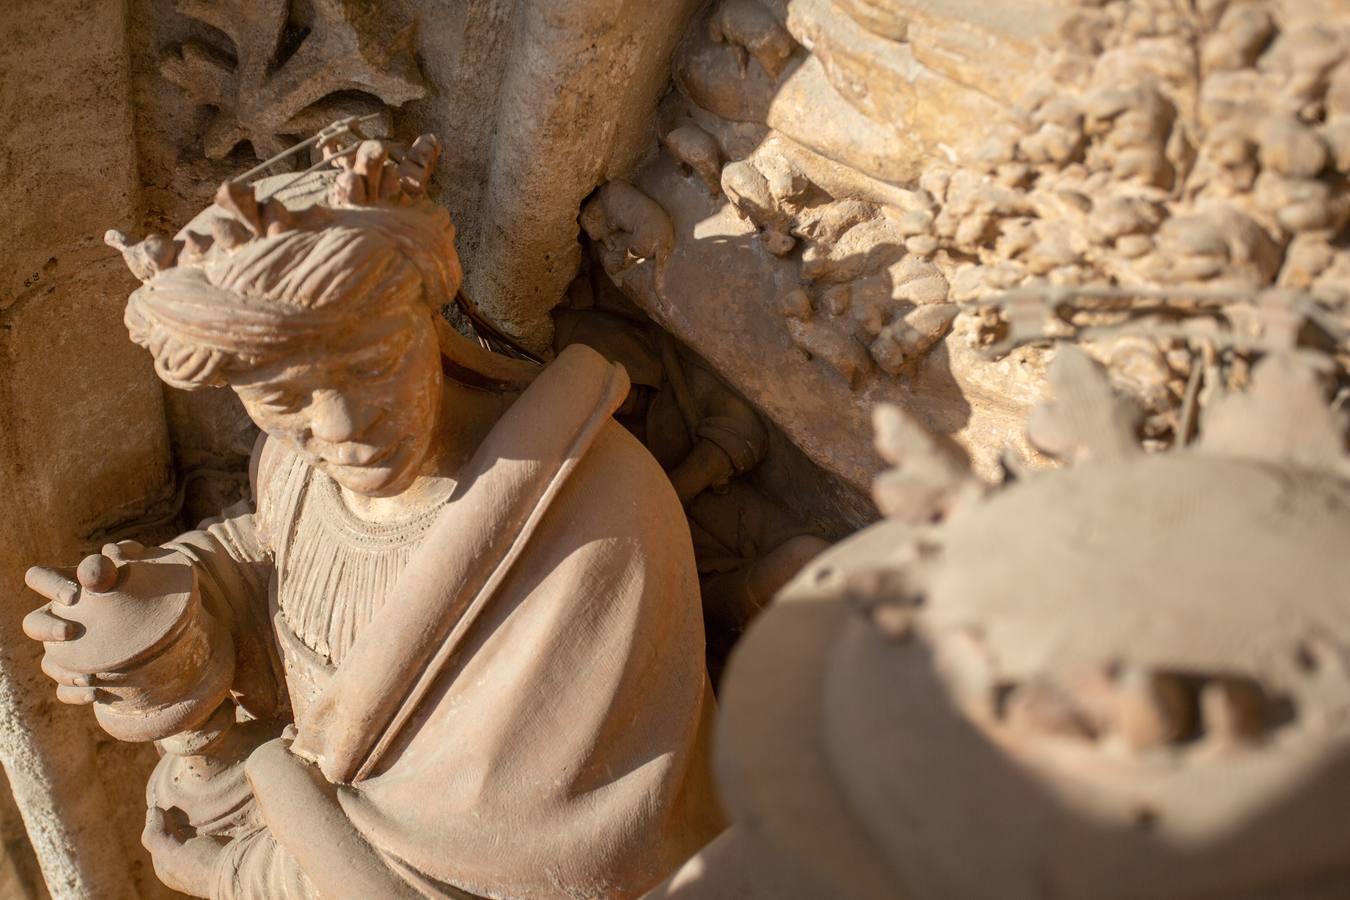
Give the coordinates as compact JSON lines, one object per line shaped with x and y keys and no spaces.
{"x":808,"y":253}
{"x":82,"y":442}
{"x":888,"y":170}
{"x":721,"y":289}
{"x":593,"y":69}
{"x":20,"y":876}
{"x":292,"y":75}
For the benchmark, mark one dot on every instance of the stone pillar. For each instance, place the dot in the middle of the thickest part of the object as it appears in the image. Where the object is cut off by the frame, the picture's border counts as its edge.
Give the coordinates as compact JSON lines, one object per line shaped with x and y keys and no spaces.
{"x":576,"y":108}
{"x":82,"y":437}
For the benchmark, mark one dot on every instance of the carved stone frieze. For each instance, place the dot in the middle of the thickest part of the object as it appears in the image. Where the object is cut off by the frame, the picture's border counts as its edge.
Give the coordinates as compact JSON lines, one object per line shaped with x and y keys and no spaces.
{"x":910,"y":163}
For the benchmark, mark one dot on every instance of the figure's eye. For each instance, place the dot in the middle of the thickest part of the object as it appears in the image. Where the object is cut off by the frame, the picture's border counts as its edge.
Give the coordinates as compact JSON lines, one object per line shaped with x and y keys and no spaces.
{"x":280,"y":401}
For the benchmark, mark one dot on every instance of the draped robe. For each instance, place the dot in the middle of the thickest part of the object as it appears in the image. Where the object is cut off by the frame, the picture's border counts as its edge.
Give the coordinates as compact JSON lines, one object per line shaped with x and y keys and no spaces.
{"x":527,"y":713}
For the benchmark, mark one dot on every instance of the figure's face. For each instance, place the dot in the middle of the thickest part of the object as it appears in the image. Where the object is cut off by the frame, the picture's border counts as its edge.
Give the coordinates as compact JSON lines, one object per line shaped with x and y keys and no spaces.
{"x":361,"y":409}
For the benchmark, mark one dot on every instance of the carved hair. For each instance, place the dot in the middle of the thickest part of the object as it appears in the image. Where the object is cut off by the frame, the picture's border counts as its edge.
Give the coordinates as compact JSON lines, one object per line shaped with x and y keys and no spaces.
{"x":269,"y":281}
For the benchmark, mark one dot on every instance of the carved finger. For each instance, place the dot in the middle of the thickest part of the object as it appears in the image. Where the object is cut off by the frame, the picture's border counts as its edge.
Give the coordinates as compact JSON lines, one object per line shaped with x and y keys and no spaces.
{"x":350,"y":188}
{"x":97,"y":572}
{"x":183,"y":859}
{"x":416,"y":168}
{"x":370,"y":158}
{"x":55,"y":584}
{"x":124,"y":550}
{"x":76,"y":696}
{"x":42,"y":625}
{"x":61,"y":675}
{"x":157,"y":836}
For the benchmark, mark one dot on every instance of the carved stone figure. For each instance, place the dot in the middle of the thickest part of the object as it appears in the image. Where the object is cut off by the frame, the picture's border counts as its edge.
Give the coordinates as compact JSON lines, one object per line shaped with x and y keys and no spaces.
{"x":454,"y":647}
{"x":449,"y":617}
{"x":1127,"y":678}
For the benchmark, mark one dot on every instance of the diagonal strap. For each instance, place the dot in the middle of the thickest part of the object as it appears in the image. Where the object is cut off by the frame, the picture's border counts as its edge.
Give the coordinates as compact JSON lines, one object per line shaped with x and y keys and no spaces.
{"x":454,"y":574}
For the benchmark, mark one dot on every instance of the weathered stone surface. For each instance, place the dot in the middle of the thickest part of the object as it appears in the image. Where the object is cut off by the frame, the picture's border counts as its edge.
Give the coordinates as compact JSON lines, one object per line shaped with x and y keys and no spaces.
{"x":595,"y":69}
{"x":292,"y":76}
{"x":1008,"y":146}
{"x":82,"y":436}
{"x":719,"y":290}
{"x":833,"y":205}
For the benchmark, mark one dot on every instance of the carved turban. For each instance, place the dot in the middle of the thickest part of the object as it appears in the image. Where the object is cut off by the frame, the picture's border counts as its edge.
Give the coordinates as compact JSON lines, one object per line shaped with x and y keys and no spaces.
{"x":270,"y":280}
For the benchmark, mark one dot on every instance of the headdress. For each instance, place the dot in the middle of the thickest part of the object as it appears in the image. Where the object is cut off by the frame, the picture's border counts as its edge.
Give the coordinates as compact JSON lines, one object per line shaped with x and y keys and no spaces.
{"x":274,"y":265}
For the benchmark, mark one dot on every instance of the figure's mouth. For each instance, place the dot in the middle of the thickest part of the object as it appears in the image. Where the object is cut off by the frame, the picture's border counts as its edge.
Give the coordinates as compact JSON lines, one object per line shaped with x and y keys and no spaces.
{"x":359,"y":456}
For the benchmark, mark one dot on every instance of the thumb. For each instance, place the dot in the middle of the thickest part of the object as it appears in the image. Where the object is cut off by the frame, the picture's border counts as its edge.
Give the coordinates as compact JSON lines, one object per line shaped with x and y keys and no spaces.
{"x":158,"y":832}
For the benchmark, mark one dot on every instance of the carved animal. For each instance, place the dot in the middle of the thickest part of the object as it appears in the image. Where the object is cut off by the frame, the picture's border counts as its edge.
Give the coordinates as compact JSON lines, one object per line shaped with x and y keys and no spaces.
{"x":628,"y":222}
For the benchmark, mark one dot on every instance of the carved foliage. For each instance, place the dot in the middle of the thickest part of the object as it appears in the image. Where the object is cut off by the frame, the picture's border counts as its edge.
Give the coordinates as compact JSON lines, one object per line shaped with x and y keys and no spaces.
{"x":280,"y":78}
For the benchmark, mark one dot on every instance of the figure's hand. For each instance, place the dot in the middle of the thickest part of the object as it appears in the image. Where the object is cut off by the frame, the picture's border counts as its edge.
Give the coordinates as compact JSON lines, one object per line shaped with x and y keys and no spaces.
{"x":184,"y":860}
{"x":112,"y":632}
{"x":62,"y":587}
{"x":707,"y":465}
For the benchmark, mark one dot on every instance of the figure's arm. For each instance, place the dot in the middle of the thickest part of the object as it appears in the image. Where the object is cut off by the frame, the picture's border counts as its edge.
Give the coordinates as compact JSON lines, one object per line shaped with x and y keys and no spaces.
{"x":249,"y":867}
{"x":730,"y":440}
{"x":308,"y":848}
{"x":234,"y":568}
{"x":120,"y":590}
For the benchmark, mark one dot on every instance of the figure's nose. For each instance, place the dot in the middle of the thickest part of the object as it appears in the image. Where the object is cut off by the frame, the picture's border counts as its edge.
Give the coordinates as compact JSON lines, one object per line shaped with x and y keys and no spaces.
{"x":336,"y":418}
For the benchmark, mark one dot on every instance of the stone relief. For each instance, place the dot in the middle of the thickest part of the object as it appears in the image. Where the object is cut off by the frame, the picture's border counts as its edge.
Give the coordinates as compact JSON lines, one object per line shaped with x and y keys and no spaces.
{"x":537,"y":597}
{"x":283,"y":78}
{"x":459,"y":582}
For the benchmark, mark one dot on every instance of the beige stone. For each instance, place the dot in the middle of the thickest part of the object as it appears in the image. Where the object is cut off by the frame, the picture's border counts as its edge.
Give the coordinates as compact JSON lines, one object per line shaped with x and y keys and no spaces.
{"x":1171,"y":736}
{"x":777,"y":216}
{"x":387,"y":433}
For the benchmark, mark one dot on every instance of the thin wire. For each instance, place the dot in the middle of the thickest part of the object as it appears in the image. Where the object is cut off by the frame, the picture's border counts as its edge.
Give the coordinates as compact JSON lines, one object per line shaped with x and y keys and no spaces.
{"x":316,"y":167}
{"x":337,"y":129}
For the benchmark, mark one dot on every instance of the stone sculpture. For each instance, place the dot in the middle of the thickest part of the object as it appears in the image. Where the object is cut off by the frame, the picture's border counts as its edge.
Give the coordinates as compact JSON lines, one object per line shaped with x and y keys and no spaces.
{"x":810,"y":209}
{"x":1127,"y":678}
{"x":455,"y":647}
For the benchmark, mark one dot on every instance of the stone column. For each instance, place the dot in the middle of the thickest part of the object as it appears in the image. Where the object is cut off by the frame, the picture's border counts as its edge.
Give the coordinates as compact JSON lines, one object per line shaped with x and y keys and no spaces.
{"x":82,"y":437}
{"x":575,"y":109}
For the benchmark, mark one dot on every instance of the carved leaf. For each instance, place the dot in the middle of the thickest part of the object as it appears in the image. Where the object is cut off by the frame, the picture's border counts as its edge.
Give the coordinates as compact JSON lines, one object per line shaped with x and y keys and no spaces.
{"x":1087,"y":419}
{"x":1284,"y":416}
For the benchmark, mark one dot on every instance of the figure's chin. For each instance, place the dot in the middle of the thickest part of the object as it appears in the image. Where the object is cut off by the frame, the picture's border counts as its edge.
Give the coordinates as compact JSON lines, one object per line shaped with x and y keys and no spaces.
{"x":369,"y":481}
{"x":391,"y":477}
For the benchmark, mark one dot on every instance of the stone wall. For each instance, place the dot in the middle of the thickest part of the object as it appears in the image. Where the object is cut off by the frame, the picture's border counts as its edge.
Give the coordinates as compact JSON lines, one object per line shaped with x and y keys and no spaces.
{"x":83,"y":444}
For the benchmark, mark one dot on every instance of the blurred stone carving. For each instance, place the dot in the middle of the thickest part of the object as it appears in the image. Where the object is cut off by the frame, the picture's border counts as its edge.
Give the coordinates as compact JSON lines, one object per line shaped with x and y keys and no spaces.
{"x":1137,"y":668}
{"x":281,"y":80}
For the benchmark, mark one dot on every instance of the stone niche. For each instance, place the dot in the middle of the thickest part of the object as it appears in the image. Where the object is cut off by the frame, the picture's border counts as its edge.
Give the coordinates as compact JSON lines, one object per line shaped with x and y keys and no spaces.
{"x":826,"y":205}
